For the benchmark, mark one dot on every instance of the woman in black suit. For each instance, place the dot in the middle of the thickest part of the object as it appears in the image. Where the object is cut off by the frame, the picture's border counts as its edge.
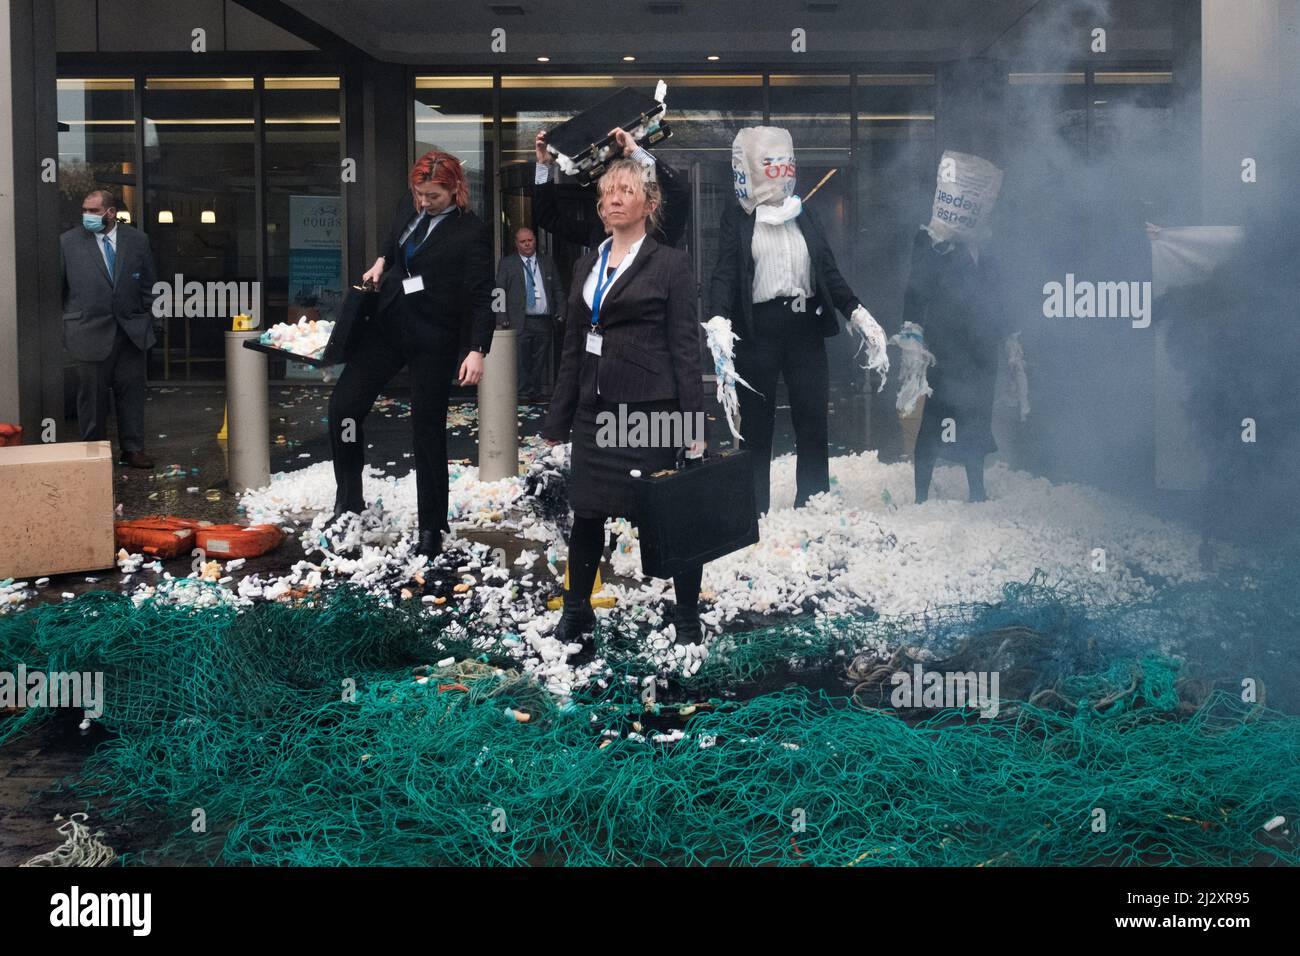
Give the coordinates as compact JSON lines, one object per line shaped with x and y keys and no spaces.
{"x":435,"y":284}
{"x":633,"y":341}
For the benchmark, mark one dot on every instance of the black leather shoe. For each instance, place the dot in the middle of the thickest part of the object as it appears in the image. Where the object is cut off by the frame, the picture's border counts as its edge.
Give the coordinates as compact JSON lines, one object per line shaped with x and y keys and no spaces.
{"x":136,"y":459}
{"x":430,"y":544}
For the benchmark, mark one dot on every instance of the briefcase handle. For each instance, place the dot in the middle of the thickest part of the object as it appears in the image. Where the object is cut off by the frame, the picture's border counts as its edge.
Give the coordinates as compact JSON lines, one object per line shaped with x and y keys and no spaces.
{"x":684,"y":462}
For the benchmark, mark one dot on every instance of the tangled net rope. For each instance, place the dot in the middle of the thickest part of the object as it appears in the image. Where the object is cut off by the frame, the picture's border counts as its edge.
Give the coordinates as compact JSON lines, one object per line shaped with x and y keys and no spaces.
{"x":321,"y":733}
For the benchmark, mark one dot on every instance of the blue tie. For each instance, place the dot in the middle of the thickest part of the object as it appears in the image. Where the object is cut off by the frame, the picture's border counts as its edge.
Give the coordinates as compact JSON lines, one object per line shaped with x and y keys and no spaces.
{"x":111,"y":257}
{"x":528,"y":282}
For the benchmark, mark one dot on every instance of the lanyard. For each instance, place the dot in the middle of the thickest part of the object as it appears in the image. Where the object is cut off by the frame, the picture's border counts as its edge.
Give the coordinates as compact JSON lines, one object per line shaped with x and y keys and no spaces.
{"x":601,"y":285}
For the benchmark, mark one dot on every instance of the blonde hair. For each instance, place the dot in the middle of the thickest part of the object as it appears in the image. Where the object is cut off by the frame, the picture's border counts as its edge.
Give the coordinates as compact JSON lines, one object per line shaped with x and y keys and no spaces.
{"x":620,"y":171}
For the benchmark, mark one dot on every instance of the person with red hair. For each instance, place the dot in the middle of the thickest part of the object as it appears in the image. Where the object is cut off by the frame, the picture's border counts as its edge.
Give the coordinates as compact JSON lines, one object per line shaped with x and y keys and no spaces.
{"x":435,"y":284}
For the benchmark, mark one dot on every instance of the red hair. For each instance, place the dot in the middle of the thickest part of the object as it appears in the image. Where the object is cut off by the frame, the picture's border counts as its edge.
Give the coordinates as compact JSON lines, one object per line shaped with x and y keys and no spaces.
{"x":445,"y":170}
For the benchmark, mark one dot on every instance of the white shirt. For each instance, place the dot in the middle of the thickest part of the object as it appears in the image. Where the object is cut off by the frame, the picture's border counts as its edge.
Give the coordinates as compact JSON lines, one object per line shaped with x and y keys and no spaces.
{"x":108,"y":239}
{"x":589,"y":287}
{"x":539,"y":307}
{"x":782,"y":266}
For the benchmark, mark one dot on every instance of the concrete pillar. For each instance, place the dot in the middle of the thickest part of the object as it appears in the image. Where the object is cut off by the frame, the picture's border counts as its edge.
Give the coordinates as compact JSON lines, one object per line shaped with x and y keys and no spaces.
{"x":498,"y":418}
{"x":248,"y":427}
{"x":1250,"y":83}
{"x":31,"y":349}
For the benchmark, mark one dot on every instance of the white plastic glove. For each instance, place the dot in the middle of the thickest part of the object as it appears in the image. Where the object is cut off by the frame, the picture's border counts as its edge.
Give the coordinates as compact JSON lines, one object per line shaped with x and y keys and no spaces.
{"x":916,"y":359}
{"x":722,"y":344}
{"x":1016,"y":367}
{"x":874,"y":340}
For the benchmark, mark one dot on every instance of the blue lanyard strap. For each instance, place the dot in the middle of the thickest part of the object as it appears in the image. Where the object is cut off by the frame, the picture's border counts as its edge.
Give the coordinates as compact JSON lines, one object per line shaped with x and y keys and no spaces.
{"x":601,"y":285}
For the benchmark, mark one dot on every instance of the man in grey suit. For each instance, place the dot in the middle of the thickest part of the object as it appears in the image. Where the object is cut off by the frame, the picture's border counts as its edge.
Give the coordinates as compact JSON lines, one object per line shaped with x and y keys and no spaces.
{"x":108,"y":323}
{"x":534,"y":303}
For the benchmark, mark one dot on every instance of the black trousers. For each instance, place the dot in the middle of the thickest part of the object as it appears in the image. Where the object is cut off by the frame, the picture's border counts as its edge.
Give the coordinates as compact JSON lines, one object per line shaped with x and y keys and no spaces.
{"x":122,"y":374}
{"x":378,"y":358}
{"x":535,"y":355}
{"x":587,"y":547}
{"x":785,"y":343}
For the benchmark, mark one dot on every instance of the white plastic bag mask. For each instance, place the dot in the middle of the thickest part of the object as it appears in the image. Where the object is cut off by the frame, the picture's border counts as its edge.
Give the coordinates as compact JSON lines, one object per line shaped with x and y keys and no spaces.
{"x":966,"y":188}
{"x":762,"y":165}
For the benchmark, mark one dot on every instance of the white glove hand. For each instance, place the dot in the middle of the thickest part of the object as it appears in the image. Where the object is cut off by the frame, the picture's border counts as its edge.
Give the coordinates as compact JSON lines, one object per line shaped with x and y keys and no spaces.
{"x":873,"y":339}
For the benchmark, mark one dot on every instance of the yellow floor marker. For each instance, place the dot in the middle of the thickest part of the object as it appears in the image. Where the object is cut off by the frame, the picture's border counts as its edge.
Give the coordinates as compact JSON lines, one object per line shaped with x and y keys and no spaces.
{"x":222,"y":435}
{"x":608,"y":600}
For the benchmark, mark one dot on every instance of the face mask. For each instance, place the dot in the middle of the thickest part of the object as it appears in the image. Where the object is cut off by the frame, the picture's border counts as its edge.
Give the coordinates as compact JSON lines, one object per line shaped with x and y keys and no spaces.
{"x":965,"y":191}
{"x":92,"y":223}
{"x":762,"y":165}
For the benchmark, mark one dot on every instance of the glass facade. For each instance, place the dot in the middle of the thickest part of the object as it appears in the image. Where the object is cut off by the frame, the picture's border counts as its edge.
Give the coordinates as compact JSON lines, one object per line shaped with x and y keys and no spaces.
{"x":236,"y":177}
{"x":200,"y":203}
{"x":96,"y":144}
{"x":305,"y":227}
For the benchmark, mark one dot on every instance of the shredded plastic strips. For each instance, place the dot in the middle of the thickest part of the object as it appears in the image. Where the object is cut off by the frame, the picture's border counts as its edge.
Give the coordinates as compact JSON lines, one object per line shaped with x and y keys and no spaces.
{"x":873,"y":340}
{"x":444,"y":754}
{"x":916,"y":360}
{"x":722,"y":345}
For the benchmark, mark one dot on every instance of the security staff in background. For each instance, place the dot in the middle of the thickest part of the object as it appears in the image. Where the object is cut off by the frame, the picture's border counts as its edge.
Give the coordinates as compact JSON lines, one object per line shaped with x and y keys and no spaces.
{"x":435,"y":304}
{"x":108,"y":323}
{"x":534,"y":305}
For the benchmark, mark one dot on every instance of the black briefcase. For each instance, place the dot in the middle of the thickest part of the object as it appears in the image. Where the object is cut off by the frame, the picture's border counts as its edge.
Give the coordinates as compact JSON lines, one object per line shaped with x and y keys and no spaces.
{"x":359,"y":307}
{"x":696,"y":512}
{"x":586,"y":136}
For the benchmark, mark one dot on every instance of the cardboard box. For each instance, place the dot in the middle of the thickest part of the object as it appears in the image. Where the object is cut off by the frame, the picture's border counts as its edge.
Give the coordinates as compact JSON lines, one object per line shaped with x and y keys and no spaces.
{"x":56,"y":512}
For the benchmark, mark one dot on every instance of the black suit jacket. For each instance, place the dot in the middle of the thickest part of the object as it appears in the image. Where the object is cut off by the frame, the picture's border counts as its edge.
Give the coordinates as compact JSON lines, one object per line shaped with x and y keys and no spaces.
{"x":731,"y":288}
{"x":456,"y":264}
{"x":650,"y":349}
{"x":674,"y":188}
{"x":93,"y":307}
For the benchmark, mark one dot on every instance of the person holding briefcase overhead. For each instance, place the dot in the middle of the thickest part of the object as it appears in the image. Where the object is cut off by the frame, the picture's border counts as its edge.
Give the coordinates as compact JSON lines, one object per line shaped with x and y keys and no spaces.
{"x":632,"y":339}
{"x":435,"y":301}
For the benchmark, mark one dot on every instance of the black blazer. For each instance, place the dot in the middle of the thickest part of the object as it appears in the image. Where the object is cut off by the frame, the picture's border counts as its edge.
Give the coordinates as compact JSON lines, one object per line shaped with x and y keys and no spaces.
{"x":94,"y":307}
{"x":651,"y":339}
{"x":673,"y":187}
{"x":456,"y":263}
{"x":731,"y":287}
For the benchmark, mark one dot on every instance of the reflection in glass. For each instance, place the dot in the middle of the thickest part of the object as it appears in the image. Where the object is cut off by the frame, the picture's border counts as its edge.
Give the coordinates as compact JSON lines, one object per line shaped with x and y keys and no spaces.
{"x":198,"y":154}
{"x":305,"y":230}
{"x":96,"y":143}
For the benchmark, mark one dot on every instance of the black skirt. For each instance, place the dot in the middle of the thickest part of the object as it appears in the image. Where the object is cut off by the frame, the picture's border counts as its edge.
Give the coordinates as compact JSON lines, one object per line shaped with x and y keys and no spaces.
{"x":600,"y":484}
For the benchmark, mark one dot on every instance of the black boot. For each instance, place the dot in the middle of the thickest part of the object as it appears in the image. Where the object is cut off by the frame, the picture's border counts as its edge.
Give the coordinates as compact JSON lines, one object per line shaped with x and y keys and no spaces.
{"x":686,"y":626}
{"x":430,"y":544}
{"x":577,"y":624}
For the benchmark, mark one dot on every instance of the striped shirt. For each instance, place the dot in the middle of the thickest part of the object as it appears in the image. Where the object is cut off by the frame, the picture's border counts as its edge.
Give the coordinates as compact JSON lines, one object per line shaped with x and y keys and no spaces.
{"x":782,"y":266}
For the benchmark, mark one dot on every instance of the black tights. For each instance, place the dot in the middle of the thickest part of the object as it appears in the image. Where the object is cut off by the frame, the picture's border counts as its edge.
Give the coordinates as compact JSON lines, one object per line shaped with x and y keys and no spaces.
{"x":587,"y":546}
{"x":925,"y":458}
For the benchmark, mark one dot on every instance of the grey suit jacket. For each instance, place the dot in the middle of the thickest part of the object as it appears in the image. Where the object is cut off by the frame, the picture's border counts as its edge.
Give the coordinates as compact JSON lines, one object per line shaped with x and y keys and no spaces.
{"x":510,"y":276}
{"x":93,"y":305}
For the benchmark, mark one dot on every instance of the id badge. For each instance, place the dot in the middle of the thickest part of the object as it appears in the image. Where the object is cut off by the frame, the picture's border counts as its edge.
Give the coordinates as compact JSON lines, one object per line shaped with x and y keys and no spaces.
{"x":413,"y":284}
{"x":593,"y":343}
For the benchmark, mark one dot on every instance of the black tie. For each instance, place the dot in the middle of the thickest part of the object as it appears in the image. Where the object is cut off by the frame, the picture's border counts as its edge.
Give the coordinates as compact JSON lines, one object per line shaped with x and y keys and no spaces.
{"x":417,"y":235}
